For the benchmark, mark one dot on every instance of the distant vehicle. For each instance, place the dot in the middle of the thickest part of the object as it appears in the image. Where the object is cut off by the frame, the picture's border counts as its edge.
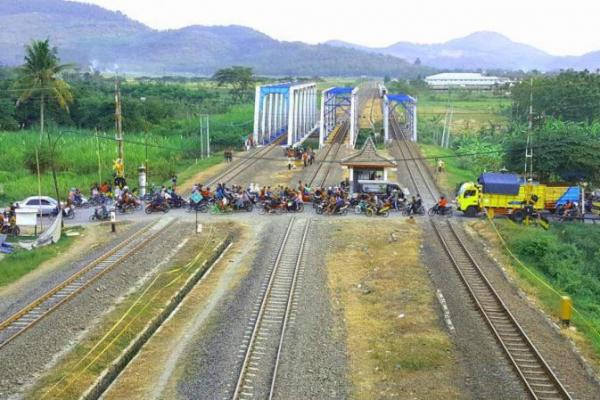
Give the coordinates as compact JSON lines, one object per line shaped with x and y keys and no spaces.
{"x":378,"y":187}
{"x":42,"y":204}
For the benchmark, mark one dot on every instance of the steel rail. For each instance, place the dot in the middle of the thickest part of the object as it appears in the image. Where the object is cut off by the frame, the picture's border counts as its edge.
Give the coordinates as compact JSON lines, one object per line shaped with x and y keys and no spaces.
{"x":31,"y":314}
{"x":277,"y":283}
{"x":337,"y":142}
{"x":425,"y":182}
{"x":238,"y":168}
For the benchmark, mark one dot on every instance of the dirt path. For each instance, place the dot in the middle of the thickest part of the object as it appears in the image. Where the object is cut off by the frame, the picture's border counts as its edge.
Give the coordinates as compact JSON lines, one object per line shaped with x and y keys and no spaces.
{"x":397,"y":346}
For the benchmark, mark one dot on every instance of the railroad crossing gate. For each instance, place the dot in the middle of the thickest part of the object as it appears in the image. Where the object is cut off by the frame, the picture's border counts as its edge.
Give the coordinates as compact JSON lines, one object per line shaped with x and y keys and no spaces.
{"x":403,"y":108}
{"x":338,"y":105}
{"x":285,"y":109}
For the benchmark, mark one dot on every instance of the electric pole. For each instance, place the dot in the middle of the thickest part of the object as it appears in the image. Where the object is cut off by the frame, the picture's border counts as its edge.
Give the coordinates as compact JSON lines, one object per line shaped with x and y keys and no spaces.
{"x":119,"y":121}
{"x":529,"y":146}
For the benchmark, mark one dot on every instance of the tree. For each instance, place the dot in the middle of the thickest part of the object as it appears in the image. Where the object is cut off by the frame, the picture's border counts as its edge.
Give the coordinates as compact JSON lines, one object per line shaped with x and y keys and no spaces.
{"x":39,"y":79}
{"x":241,"y":79}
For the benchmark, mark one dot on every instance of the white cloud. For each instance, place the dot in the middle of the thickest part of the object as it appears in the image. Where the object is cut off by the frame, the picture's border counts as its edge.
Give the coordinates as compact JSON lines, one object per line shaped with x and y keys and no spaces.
{"x":558,"y":27}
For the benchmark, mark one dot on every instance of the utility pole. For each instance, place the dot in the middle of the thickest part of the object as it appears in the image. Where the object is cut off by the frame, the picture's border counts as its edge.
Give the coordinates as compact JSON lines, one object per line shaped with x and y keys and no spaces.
{"x":205,"y":135}
{"x":119,"y":121}
{"x":529,"y":147}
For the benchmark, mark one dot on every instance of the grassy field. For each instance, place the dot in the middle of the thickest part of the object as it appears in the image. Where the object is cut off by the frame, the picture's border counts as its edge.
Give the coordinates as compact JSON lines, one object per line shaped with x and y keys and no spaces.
{"x":84,"y":158}
{"x":394,"y":341}
{"x":455,"y":172}
{"x":473,"y":111}
{"x":21,"y":262}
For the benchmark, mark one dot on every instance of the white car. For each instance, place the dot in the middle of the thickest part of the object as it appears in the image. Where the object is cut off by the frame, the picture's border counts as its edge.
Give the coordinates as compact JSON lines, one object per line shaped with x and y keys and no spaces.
{"x":44,"y":204}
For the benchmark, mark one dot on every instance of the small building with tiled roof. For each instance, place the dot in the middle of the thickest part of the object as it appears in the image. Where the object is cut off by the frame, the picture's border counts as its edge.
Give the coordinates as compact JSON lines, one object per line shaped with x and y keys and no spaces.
{"x":367,"y":165}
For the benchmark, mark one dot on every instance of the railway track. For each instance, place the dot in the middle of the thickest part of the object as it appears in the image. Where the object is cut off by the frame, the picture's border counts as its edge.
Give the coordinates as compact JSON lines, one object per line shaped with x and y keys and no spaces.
{"x":235,"y":170}
{"x":320,"y":175}
{"x":537,"y":376}
{"x":37,"y":310}
{"x":263,"y":346}
{"x":420,"y":178}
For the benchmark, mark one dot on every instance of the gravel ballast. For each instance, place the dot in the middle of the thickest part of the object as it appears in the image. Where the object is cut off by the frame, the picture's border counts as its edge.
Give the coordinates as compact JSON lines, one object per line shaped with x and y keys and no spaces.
{"x":489,"y":374}
{"x":313,"y":361}
{"x":36,"y":350}
{"x":556,"y":349}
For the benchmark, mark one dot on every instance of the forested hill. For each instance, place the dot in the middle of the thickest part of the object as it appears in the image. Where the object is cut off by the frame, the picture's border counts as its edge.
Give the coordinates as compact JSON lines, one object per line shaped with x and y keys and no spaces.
{"x":92,"y":36}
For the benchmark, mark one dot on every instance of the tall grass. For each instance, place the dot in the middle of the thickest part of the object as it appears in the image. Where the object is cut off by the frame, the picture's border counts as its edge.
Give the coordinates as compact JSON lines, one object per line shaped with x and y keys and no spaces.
{"x":86,"y":157}
{"x":566,"y":256}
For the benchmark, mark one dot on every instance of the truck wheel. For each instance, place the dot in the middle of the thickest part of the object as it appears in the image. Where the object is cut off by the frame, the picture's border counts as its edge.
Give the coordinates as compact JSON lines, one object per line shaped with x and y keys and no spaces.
{"x":471,"y":211}
{"x":517,"y":216}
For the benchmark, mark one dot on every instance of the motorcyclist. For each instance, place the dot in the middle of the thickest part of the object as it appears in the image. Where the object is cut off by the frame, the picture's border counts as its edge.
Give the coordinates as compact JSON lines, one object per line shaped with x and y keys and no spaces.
{"x":339,"y":203}
{"x":415,"y":204}
{"x":442,"y":205}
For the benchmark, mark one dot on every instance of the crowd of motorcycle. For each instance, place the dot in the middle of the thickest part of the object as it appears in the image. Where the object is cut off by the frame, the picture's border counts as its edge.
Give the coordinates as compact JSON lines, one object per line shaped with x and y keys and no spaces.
{"x":325,"y":201}
{"x":224,"y":200}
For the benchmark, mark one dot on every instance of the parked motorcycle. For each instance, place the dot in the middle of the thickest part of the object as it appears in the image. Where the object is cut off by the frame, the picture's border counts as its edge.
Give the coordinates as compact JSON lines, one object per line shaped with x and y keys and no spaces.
{"x":435,"y":210}
{"x":408,"y":210}
{"x":156,"y":207}
{"x":100,"y":214}
{"x":177,"y":201}
{"x":341,"y":211}
{"x":381,"y":212}
{"x":10,"y":229}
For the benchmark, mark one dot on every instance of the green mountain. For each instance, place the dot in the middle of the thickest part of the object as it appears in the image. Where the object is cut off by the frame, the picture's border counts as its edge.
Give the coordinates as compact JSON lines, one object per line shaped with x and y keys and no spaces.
{"x":92,"y":36}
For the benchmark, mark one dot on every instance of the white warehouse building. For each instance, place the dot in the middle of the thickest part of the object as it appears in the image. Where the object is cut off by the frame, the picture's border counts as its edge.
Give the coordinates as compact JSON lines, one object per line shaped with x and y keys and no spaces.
{"x":466,"y":80}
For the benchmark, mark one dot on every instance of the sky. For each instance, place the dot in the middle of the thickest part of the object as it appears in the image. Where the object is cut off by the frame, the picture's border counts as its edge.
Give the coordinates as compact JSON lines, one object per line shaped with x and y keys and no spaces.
{"x":558,"y":27}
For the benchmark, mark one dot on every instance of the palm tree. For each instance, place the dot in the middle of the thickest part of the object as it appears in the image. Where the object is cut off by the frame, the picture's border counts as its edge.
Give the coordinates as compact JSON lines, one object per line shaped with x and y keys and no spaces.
{"x":39,"y":79}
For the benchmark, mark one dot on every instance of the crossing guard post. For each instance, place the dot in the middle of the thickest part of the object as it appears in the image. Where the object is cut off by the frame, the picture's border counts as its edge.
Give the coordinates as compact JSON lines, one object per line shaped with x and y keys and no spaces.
{"x":113,"y":221}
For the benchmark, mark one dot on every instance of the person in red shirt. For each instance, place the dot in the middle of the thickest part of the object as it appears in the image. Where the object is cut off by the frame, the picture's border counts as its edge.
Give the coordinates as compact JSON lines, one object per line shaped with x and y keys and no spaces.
{"x":442,"y":204}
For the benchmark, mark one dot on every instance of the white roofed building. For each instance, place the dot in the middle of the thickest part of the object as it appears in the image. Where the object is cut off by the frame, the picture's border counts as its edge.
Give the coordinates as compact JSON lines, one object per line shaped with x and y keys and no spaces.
{"x":466,"y":80}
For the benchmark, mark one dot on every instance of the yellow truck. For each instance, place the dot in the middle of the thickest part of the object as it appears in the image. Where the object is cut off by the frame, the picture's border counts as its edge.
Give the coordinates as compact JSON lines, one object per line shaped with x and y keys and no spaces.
{"x":508,"y":194}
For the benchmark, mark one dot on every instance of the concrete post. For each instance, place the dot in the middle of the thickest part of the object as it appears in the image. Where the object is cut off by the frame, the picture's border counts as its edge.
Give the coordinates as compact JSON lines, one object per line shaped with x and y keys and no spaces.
{"x":263,"y":120}
{"x":306,"y":111}
{"x":256,"y":113}
{"x":322,"y":122}
{"x":275,"y":114}
{"x":415,"y":122}
{"x":291,"y":116}
{"x":270,"y":117}
{"x":353,"y":97}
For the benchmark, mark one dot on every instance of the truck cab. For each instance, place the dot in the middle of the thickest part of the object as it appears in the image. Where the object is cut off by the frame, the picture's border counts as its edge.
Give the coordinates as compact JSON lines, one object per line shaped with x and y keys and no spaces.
{"x":468,"y":198}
